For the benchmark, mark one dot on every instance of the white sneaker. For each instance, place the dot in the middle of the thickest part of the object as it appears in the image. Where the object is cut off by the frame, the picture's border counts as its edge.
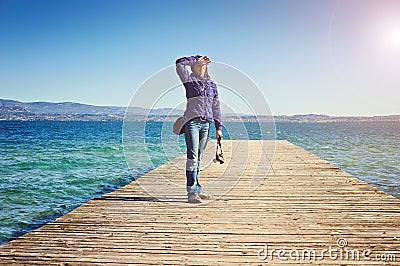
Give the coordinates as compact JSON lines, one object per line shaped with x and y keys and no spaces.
{"x":193,"y":198}
{"x":204,"y":196}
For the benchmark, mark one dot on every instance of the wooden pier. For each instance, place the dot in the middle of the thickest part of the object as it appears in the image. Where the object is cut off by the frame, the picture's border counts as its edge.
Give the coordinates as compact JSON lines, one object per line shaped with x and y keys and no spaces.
{"x":304,"y":206}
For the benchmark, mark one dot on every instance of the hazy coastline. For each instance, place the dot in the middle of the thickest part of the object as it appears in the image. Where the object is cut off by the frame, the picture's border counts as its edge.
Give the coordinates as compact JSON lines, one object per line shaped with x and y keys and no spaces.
{"x":11,"y":110}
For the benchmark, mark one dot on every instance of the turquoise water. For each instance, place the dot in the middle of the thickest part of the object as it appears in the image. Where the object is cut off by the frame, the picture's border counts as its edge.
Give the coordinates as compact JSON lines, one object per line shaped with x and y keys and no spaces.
{"x":49,"y":168}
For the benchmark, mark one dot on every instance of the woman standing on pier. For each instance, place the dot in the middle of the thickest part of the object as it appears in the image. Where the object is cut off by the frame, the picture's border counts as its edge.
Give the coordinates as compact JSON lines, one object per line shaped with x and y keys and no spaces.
{"x":202,"y":107}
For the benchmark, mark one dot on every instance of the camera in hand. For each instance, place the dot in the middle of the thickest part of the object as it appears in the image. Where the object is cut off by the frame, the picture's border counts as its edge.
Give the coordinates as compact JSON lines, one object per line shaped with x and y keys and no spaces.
{"x":219,"y":157}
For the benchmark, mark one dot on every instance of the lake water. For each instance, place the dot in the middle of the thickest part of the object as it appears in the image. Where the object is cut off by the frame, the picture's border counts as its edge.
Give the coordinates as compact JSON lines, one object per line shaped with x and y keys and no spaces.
{"x":48,"y":168}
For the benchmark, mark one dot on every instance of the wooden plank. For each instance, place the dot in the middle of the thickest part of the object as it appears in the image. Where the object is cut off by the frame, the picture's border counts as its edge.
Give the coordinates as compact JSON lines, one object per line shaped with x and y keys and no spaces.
{"x":304,"y":203}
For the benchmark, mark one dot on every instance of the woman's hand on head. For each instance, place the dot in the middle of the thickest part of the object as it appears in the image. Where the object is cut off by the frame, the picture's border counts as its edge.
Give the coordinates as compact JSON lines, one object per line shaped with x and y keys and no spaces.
{"x":205,"y":59}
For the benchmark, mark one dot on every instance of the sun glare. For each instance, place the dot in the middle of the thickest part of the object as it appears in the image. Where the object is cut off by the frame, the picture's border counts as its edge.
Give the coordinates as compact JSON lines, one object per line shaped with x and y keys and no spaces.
{"x":391,"y":37}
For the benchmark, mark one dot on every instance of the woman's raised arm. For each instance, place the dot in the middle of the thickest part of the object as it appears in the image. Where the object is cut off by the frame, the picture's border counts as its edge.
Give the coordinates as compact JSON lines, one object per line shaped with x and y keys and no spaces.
{"x":181,"y":64}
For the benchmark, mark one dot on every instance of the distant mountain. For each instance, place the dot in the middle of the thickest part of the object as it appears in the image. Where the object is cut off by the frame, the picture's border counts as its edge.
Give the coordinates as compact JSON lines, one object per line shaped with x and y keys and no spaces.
{"x":62,"y":108}
{"x":166,"y":111}
{"x":308,"y":116}
{"x":79,"y":108}
{"x":67,"y":111}
{"x":16,"y":110}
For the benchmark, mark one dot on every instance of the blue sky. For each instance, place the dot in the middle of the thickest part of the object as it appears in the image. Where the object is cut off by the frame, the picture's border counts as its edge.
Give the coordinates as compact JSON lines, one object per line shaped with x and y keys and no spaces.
{"x":338,"y":57}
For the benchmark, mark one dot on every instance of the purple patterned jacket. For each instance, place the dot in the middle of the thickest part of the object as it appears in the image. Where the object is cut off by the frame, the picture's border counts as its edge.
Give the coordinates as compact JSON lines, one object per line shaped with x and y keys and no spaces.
{"x":201,"y":94}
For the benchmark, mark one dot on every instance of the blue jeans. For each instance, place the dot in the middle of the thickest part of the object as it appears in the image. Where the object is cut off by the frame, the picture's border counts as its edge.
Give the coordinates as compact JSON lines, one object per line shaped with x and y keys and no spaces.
{"x":196,"y":137}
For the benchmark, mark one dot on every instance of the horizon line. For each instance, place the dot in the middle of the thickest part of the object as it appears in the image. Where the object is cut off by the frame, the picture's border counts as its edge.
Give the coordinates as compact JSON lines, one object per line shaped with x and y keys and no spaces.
{"x":293,"y":114}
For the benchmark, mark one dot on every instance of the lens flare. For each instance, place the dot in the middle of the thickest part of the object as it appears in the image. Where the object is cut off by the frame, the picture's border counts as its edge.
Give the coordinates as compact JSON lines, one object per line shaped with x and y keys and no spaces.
{"x":391,"y":37}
